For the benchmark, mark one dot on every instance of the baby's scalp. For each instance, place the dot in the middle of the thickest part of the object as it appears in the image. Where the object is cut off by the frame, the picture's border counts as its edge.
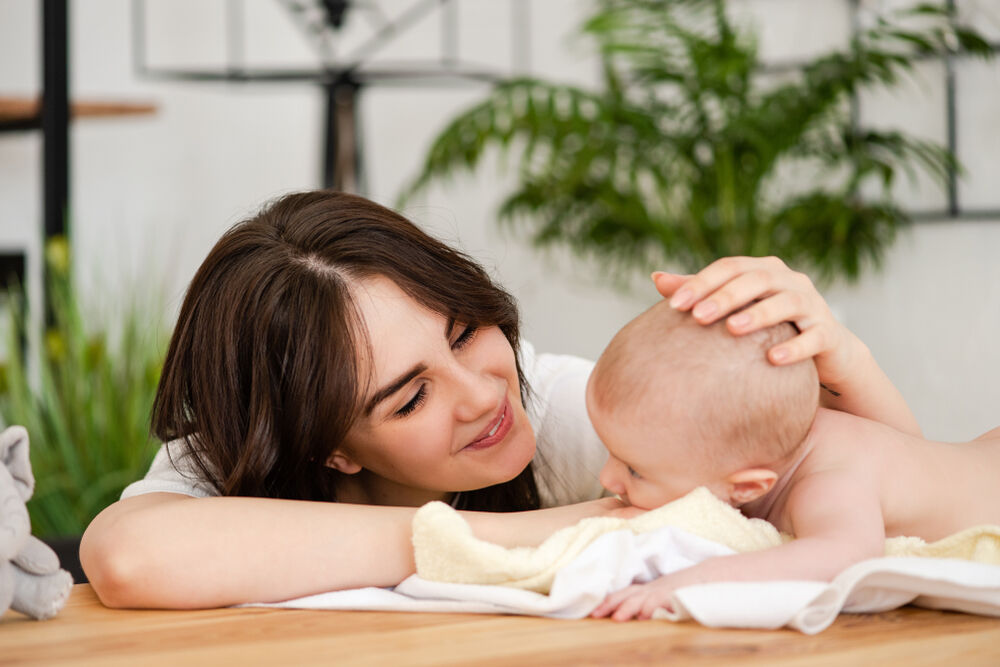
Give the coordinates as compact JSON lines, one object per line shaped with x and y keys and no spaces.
{"x":714,"y":392}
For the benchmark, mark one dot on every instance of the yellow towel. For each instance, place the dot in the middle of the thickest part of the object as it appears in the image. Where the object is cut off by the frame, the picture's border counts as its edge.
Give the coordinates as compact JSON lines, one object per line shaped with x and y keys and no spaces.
{"x":446,"y":550}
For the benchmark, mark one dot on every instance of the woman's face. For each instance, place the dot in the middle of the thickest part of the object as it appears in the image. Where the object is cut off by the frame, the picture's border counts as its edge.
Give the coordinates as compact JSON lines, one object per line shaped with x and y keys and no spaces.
{"x":443,"y":410}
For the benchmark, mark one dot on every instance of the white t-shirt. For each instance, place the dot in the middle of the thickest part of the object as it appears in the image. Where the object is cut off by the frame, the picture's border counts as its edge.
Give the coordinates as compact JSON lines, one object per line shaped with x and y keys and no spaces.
{"x":566,"y":465}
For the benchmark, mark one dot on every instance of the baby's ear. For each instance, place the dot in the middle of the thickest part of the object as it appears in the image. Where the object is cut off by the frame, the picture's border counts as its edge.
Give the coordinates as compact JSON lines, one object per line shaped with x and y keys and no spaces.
{"x":750,"y":484}
{"x":343,"y":463}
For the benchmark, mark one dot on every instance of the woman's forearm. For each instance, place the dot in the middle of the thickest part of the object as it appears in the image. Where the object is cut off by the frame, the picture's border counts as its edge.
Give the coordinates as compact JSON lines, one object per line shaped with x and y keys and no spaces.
{"x":163,"y":550}
{"x":868,"y":392}
{"x":171,"y":551}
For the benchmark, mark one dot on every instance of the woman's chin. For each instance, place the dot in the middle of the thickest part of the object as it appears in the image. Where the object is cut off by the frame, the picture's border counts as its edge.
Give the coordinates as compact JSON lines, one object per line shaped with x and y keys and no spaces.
{"x":510,"y":458}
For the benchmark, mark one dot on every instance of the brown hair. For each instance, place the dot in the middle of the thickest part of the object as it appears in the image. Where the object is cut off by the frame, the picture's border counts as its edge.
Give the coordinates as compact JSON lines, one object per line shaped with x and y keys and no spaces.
{"x":741,"y":406}
{"x":262,"y":378}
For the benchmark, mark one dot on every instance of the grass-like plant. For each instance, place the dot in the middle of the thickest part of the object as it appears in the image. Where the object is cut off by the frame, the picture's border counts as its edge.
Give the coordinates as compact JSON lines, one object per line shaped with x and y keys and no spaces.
{"x":692,"y":150}
{"x":84,"y":395}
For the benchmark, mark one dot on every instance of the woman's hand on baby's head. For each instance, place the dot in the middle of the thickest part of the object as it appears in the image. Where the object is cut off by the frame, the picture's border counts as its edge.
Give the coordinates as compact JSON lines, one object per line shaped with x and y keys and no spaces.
{"x":781,"y":294}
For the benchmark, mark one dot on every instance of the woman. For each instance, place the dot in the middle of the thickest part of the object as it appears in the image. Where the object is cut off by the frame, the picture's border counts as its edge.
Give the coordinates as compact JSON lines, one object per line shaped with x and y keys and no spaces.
{"x":328,"y":350}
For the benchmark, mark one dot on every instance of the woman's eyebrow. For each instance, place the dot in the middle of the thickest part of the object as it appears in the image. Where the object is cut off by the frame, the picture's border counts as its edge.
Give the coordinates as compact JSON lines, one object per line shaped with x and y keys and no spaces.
{"x":394,"y":386}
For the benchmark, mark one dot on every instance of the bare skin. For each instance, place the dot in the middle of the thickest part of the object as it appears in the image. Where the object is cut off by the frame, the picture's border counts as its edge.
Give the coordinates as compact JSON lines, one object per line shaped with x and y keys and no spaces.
{"x":853,"y":483}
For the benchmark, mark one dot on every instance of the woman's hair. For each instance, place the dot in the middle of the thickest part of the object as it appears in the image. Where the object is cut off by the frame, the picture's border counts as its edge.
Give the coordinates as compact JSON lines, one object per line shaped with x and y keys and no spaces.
{"x":263,"y":377}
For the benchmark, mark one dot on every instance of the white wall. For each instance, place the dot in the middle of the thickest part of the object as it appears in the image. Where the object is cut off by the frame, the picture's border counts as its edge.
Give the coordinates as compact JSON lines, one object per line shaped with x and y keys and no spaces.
{"x":151,"y":194}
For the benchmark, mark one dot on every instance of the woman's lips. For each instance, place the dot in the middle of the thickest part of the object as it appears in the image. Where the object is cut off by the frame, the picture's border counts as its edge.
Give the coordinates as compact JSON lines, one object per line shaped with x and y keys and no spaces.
{"x":496,"y":431}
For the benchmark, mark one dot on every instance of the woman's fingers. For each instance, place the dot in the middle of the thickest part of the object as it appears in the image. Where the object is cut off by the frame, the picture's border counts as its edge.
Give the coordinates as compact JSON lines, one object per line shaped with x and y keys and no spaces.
{"x":717,"y":274}
{"x":788,"y":306}
{"x":738,"y":292}
{"x":806,"y":345}
{"x":668,"y":283}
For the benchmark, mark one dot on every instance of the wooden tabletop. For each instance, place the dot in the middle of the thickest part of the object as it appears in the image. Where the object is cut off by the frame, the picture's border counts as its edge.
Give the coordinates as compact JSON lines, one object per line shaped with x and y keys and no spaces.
{"x":87,"y":633}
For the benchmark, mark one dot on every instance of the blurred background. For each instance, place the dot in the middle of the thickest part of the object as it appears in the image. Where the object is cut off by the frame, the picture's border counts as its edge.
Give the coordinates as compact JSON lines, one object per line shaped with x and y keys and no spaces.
{"x":202,"y":110}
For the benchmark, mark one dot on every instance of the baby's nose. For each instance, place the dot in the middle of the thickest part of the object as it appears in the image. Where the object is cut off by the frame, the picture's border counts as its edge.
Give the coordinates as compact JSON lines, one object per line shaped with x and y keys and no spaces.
{"x":610,"y":480}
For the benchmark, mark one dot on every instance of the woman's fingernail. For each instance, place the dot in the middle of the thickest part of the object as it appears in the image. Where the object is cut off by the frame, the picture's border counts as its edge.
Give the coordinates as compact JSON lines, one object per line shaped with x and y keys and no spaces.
{"x":682,"y":298}
{"x":779,"y":354}
{"x":705,"y":309}
{"x":740,"y":320}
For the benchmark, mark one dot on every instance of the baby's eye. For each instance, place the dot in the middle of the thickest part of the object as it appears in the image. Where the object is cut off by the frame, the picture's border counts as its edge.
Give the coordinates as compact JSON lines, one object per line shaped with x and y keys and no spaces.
{"x":633,"y":473}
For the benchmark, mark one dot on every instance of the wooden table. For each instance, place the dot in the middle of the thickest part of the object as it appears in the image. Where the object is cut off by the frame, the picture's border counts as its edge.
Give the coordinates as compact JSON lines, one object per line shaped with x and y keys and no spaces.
{"x":87,"y":633}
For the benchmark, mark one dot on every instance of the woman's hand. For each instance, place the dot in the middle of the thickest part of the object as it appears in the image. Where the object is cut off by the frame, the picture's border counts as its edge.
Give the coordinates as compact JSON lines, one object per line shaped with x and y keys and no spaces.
{"x":845,"y":365}
{"x":784,"y":295}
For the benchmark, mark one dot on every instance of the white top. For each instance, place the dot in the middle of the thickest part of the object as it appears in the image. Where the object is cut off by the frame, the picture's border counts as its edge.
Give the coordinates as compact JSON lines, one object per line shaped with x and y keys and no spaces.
{"x":566,"y":465}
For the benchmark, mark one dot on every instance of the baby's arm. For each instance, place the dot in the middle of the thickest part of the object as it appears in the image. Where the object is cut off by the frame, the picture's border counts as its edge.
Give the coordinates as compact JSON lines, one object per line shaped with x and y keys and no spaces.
{"x":837,"y":520}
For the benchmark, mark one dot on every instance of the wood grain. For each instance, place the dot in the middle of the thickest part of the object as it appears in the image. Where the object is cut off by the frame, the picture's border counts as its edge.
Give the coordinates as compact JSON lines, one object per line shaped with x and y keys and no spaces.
{"x":87,"y":633}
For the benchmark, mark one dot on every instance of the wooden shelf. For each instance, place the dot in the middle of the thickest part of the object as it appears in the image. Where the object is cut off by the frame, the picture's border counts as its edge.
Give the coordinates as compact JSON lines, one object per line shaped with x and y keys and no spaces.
{"x":25,"y":112}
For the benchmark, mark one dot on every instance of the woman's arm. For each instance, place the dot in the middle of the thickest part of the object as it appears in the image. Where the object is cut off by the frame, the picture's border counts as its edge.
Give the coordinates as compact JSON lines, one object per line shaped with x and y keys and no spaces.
{"x":846,"y":367}
{"x":166,"y":550}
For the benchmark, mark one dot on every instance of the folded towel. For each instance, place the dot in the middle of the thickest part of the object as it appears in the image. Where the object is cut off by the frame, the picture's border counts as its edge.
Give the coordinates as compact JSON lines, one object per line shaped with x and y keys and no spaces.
{"x":446,"y":550}
{"x":571,"y":572}
{"x":615,"y":559}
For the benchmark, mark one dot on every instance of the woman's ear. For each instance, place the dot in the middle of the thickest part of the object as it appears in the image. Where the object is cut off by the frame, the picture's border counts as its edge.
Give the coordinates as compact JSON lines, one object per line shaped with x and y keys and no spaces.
{"x":750,"y":484}
{"x":343,"y":463}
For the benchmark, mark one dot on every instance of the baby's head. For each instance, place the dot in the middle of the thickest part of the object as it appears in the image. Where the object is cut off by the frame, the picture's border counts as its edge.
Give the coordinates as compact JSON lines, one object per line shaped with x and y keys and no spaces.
{"x":681,"y":405}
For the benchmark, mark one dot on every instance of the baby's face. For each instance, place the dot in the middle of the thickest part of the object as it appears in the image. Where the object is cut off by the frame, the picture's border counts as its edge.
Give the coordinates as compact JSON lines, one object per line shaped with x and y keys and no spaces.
{"x":646,"y":467}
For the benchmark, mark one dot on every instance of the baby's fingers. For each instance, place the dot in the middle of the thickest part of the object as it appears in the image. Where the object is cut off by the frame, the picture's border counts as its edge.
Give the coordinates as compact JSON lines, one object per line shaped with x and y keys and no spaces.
{"x":629,"y":608}
{"x":654,"y":602}
{"x":611,"y":602}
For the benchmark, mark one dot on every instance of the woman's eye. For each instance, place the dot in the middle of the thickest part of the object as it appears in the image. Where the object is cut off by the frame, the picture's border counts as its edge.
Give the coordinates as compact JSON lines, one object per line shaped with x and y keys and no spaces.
{"x":414,"y":403}
{"x":465,"y":337}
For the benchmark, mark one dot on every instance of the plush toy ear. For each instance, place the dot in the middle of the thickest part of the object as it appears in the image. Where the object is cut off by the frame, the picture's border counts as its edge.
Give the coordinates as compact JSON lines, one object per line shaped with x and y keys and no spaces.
{"x":343,"y":463}
{"x":750,"y":484}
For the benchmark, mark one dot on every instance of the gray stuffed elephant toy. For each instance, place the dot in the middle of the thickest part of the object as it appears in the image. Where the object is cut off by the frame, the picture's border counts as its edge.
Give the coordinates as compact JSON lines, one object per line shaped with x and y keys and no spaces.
{"x":31,"y":581}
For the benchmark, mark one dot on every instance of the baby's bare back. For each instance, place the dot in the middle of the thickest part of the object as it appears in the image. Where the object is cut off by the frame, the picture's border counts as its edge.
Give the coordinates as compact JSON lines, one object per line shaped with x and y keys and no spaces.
{"x":927,"y":489}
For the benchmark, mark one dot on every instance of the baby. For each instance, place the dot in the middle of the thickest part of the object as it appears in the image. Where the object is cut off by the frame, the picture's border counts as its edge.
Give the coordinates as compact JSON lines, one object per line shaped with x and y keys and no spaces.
{"x":680,"y":405}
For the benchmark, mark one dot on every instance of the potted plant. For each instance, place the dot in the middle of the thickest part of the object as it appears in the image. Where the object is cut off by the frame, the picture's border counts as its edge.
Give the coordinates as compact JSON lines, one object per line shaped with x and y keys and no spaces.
{"x":84,"y":393}
{"x":683,"y":154}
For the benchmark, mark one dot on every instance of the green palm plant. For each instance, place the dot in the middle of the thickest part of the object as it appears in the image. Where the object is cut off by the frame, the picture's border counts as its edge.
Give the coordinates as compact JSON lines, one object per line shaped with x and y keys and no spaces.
{"x":683,"y":154}
{"x":85,"y":399}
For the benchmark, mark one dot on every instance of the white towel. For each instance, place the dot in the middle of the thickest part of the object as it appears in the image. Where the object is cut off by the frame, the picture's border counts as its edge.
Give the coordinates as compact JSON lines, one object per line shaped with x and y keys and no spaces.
{"x":615,"y":559}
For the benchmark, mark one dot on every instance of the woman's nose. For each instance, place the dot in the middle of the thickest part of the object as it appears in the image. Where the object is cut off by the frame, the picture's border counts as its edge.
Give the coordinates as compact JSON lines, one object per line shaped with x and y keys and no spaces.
{"x":610,"y":480}
{"x":478,"y":394}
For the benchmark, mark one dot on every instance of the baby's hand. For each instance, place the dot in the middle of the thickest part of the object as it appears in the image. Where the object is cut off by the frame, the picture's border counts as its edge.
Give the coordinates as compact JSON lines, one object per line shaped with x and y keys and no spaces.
{"x":637,"y":600}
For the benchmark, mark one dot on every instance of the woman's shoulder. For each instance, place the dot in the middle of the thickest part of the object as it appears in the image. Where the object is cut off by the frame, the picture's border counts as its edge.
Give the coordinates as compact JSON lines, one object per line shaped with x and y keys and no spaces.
{"x":570,"y":455}
{"x":173,"y":470}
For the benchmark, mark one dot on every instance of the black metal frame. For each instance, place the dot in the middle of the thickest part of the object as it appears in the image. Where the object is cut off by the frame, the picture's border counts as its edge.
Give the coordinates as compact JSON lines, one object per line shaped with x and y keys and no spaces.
{"x":343,"y":79}
{"x":53,"y":120}
{"x":55,"y":115}
{"x":347,"y":79}
{"x":954,"y":209}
